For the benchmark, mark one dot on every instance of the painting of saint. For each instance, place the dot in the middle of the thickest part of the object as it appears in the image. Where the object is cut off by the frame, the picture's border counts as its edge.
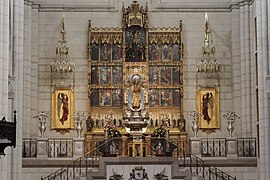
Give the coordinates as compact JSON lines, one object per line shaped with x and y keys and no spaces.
{"x":93,"y":94}
{"x":94,"y":75}
{"x":153,"y":52}
{"x":166,"y":98}
{"x":117,"y":75}
{"x":116,"y":52}
{"x":176,"y":76}
{"x":175,"y":52}
{"x":153,"y":75}
{"x":135,"y":44}
{"x":176,"y":98}
{"x":208,"y":105}
{"x":105,"y":75}
{"x":105,"y":52}
{"x":117,"y":97}
{"x":166,"y":52}
{"x":105,"y":97}
{"x":95,"y":52}
{"x":62,"y":109}
{"x":166,"y":75}
{"x":153,"y":97}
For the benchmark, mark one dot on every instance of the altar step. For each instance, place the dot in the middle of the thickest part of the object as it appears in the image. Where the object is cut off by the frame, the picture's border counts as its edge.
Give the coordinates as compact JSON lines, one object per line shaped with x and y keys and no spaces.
{"x":93,"y":166}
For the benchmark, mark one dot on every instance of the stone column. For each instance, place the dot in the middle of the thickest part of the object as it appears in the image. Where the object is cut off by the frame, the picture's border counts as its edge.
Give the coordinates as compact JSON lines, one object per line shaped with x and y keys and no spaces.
{"x":1,"y":52}
{"x":27,"y":69}
{"x":263,"y":76}
{"x":248,"y":128}
{"x":236,"y":64}
{"x":3,"y":161}
{"x":16,"y":162}
{"x":243,"y":66}
{"x":34,"y":69}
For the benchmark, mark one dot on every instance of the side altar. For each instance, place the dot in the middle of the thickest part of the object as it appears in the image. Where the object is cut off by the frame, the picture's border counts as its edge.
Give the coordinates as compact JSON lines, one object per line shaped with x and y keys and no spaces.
{"x":135,"y":86}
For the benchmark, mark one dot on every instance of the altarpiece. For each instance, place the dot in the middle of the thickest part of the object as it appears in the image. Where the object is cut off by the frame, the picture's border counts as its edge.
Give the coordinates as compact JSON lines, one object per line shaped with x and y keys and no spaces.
{"x":135,"y":68}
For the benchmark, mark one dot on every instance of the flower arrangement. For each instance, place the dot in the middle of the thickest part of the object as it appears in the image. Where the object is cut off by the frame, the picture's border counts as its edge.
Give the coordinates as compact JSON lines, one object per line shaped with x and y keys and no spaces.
{"x":159,"y":132}
{"x":113,"y":132}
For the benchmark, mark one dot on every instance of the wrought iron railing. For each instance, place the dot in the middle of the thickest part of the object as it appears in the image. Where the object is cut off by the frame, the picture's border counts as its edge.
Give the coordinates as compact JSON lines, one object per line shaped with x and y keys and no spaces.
{"x":156,"y":147}
{"x":29,"y":148}
{"x":246,"y":147}
{"x":60,"y":148}
{"x":215,"y":147}
{"x":80,"y":167}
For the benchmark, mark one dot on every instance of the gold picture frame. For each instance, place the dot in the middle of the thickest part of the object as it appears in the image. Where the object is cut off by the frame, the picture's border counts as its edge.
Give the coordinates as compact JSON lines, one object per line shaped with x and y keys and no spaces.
{"x":62,"y":109}
{"x":208,"y":106}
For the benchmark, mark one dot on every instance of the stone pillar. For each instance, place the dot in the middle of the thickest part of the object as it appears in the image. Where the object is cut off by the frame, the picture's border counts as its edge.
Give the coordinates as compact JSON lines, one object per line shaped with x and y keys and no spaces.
{"x":42,"y":148}
{"x":27,"y":69}
{"x":263,"y":86}
{"x":232,"y":147}
{"x":34,"y":70}
{"x":3,"y":16}
{"x":195,"y":144}
{"x":1,"y":52}
{"x":78,"y":150}
{"x":16,"y":161}
{"x":236,"y":65}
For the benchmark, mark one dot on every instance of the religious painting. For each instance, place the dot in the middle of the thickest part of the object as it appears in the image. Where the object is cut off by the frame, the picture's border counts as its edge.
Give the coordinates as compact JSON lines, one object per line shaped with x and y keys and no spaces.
{"x":105,"y":97}
{"x":175,"y":52}
{"x":153,"y":52}
{"x":166,"y":97}
{"x":176,"y":98}
{"x":135,"y":44}
{"x":166,"y":75}
{"x":153,"y":75}
{"x":117,"y":75}
{"x":62,"y":109}
{"x":105,"y":52}
{"x":153,"y":97}
{"x":105,"y":75}
{"x":95,"y":52}
{"x":116,"y":52}
{"x":166,"y":52}
{"x":117,"y":97}
{"x":93,"y":94}
{"x":94,"y":75}
{"x":208,"y":106}
{"x":176,"y":75}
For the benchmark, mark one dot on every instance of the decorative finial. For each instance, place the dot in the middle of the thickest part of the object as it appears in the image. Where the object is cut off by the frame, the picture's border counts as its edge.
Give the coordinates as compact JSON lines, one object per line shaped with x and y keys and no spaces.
{"x":207,"y":30}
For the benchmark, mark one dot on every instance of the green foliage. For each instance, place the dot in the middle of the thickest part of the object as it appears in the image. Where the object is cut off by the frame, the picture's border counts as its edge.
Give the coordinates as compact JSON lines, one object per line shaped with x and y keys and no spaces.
{"x":159,"y":132}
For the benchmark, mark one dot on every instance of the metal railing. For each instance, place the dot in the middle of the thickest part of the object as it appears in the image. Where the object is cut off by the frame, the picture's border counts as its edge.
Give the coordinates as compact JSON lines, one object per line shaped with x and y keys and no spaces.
{"x":246,"y":147}
{"x":80,"y":167}
{"x":156,"y":147}
{"x":29,"y":148}
{"x":215,"y":147}
{"x":60,"y":148}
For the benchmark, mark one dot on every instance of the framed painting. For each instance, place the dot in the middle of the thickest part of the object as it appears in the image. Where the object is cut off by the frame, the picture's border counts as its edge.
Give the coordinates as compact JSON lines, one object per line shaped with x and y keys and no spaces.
{"x":208,"y":106}
{"x":62,"y":109}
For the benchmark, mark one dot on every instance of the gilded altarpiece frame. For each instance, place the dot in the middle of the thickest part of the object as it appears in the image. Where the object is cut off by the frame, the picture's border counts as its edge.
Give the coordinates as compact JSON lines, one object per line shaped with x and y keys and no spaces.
{"x":155,"y":54}
{"x":207,"y":102}
{"x":62,"y":110}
